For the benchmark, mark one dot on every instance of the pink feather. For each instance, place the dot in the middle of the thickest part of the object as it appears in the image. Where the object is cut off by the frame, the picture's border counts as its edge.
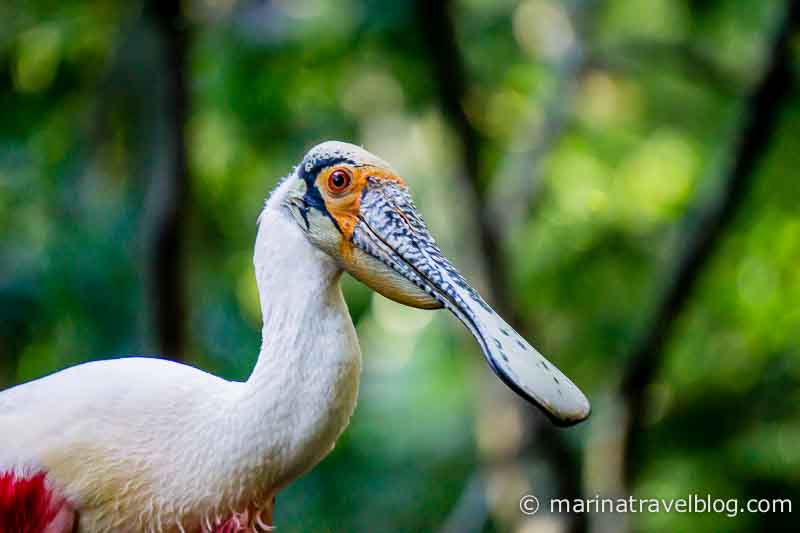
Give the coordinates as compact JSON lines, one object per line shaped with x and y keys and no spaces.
{"x":29,"y":505}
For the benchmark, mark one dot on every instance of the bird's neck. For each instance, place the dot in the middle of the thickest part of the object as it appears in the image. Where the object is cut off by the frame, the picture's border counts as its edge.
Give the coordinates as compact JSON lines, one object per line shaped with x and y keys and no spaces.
{"x":303,"y":389}
{"x":304,"y":314}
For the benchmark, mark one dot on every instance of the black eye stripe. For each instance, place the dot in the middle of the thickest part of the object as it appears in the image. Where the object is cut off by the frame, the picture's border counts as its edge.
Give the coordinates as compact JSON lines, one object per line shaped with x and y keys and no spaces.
{"x":310,"y":169}
{"x":313,"y":199}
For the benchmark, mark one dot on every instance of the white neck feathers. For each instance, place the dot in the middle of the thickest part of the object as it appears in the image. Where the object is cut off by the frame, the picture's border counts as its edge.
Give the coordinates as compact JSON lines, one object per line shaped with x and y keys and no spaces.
{"x":303,"y":389}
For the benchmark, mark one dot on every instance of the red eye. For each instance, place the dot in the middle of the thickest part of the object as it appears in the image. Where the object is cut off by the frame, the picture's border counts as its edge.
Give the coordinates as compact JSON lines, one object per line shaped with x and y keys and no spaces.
{"x":338,"y":181}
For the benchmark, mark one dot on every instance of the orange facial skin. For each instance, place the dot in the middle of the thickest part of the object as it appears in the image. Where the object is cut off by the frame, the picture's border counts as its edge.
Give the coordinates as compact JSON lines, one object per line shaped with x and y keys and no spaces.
{"x":344,"y":206}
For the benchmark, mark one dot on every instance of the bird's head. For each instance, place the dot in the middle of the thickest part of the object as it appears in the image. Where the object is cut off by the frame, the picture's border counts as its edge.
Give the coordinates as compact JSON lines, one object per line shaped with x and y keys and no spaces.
{"x":354,"y":207}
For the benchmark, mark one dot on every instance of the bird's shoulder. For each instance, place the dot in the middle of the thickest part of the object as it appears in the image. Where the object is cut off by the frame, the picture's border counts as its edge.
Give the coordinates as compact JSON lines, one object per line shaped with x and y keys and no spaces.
{"x":103,"y":401}
{"x":111,"y":379}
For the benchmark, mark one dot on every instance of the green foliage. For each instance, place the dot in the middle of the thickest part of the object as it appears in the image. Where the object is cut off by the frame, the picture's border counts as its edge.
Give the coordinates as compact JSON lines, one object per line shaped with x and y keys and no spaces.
{"x":646,"y":137}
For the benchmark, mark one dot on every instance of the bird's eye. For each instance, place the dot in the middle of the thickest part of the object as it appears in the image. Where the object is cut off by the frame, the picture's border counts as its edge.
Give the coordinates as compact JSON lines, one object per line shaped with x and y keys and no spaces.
{"x":338,"y":181}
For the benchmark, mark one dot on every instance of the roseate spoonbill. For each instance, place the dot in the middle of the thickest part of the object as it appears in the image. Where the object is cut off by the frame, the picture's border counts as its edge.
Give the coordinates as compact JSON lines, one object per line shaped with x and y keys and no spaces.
{"x":148,"y":445}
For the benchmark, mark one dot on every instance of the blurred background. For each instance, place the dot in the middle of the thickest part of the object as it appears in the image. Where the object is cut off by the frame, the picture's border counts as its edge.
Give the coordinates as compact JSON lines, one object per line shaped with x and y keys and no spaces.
{"x":620,"y":179}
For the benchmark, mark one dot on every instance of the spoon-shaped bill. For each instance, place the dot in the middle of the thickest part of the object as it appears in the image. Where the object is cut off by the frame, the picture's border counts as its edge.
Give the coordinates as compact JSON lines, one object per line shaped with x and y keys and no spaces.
{"x":391,"y":230}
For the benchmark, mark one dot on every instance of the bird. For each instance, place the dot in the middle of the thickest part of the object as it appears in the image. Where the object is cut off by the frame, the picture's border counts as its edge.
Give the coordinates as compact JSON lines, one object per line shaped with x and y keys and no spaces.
{"x":142,"y":444}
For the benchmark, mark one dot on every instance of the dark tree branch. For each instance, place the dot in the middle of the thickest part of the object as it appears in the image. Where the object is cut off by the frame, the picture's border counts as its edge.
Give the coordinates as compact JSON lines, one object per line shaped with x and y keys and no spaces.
{"x":762,"y":110}
{"x":172,"y":185}
{"x":449,"y":71}
{"x":447,"y":63}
